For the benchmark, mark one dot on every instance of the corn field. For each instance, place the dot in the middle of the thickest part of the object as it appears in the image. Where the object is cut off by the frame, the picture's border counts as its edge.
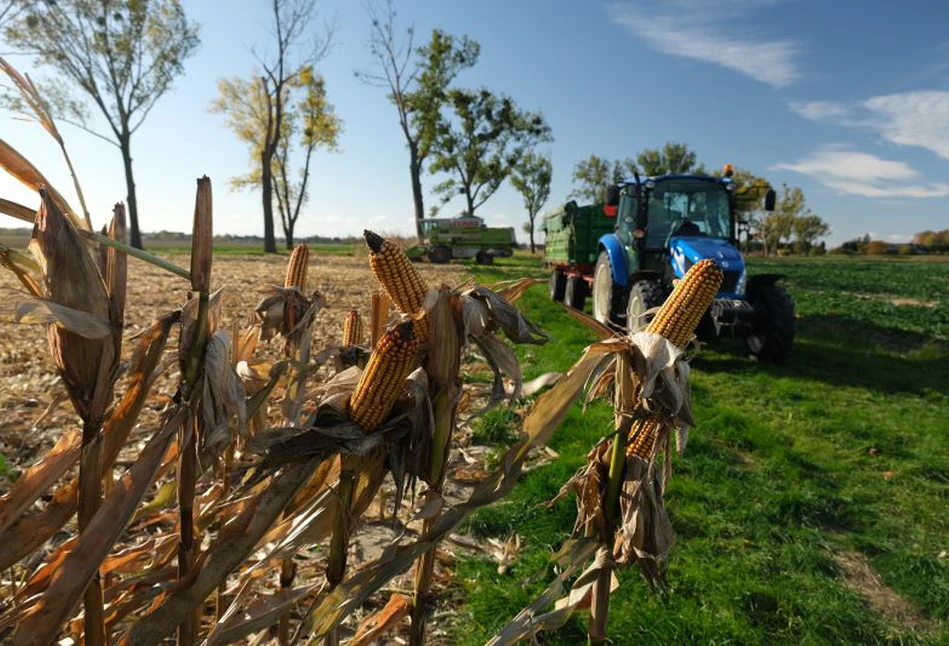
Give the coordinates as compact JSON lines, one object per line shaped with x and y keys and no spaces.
{"x":219,"y":462}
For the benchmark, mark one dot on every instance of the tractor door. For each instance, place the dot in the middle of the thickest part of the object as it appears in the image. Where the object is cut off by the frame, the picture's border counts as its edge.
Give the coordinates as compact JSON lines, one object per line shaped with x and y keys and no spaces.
{"x":626,"y":226}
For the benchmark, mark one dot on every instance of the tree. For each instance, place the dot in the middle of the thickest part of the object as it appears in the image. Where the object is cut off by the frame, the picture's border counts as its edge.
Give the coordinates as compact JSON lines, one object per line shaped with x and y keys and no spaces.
{"x":317,"y":124}
{"x":9,"y":10}
{"x":750,"y":191}
{"x":595,"y":174}
{"x":418,"y":82}
{"x":807,"y":229}
{"x":673,"y":158}
{"x":258,"y":110}
{"x":531,"y":177}
{"x":479,"y":145}
{"x":122,"y":55}
{"x":778,"y":225}
{"x":307,"y":115}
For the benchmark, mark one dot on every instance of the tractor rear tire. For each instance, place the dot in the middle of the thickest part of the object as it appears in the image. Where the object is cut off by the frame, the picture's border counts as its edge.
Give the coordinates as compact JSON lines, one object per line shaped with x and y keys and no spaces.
{"x":557,"y":284}
{"x":484,"y":258}
{"x":773,"y":334}
{"x":609,"y":299}
{"x":644,"y":296}
{"x":575,"y":293}
{"x":440,"y":255}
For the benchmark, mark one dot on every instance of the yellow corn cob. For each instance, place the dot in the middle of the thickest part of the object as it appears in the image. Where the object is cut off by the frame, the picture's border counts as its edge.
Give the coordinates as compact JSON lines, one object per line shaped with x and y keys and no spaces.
{"x":680,"y":314}
{"x":393,"y":358}
{"x":352,"y":329}
{"x":396,"y":273}
{"x":643,"y":438}
{"x":296,"y":268}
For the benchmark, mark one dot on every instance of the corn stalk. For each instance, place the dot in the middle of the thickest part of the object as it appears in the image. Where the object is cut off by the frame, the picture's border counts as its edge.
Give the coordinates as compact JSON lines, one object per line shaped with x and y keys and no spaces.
{"x":194,"y":336}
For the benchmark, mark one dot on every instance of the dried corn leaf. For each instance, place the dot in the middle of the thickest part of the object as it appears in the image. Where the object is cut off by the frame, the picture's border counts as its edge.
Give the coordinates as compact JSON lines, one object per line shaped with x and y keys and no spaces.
{"x":513,"y":290}
{"x":223,"y":396}
{"x":21,"y":168}
{"x":31,"y":531}
{"x":257,"y":615}
{"x":42,"y":623}
{"x":234,"y":542}
{"x":42,"y":311}
{"x":645,"y":532}
{"x":373,"y":627}
{"x":528,"y":622}
{"x":38,"y":478}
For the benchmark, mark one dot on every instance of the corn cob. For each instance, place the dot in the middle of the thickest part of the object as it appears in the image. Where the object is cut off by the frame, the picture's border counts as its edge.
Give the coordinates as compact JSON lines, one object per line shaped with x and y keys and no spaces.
{"x":643,"y":438}
{"x":352,"y":329}
{"x":680,"y":314}
{"x":393,"y":358}
{"x":296,"y":267}
{"x":396,"y":273}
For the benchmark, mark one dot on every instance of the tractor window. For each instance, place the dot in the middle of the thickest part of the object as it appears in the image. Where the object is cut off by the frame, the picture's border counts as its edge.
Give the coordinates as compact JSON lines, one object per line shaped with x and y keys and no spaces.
{"x":675,"y":203}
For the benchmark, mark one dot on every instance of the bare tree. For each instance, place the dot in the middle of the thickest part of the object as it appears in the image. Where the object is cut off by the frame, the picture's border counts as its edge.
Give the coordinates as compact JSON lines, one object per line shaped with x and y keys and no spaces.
{"x":291,"y":21}
{"x":123,"y":56}
{"x":418,"y":82}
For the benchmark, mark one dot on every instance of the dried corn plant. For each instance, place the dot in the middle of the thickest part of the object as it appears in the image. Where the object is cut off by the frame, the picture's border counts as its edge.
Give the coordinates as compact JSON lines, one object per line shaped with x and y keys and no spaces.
{"x":621,"y":516}
{"x":390,"y":408}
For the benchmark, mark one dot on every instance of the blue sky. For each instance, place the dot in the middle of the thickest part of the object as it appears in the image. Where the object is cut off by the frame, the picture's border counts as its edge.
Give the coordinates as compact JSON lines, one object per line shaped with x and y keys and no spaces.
{"x":849,"y":100}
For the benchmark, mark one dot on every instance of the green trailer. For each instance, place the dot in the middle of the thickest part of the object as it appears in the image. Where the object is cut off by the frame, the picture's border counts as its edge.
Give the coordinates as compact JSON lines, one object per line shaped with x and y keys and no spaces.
{"x":571,"y":249}
{"x":447,"y":239}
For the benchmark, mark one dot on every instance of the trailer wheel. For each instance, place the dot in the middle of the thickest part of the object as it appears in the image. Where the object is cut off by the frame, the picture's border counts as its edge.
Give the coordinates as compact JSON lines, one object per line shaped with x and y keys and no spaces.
{"x":575,"y":292}
{"x":609,"y":299}
{"x":440,"y":255}
{"x":773,"y":334}
{"x":557,"y":284}
{"x":484,"y":258}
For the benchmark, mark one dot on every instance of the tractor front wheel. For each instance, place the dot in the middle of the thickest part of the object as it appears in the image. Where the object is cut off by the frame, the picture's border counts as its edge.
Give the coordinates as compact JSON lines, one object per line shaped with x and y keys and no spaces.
{"x":440,"y":255}
{"x":644,"y":296}
{"x":557,"y":284}
{"x":609,"y":299}
{"x":773,"y":333}
{"x":484,"y":258}
{"x":575,"y":293}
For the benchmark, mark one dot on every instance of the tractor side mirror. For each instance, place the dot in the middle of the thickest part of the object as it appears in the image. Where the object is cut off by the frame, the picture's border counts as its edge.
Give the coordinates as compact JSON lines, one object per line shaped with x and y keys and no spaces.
{"x":612,"y":195}
{"x":769,"y":199}
{"x":570,"y":207}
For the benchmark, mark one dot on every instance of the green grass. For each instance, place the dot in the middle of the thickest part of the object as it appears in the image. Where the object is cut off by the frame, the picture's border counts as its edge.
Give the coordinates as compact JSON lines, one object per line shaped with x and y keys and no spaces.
{"x":845,"y":448}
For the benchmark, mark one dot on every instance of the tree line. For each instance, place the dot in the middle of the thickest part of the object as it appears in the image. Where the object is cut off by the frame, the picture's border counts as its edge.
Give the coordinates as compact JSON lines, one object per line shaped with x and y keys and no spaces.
{"x":119,"y":59}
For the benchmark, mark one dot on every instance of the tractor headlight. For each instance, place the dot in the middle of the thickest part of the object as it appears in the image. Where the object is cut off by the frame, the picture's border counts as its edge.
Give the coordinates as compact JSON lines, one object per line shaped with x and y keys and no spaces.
{"x":740,"y":285}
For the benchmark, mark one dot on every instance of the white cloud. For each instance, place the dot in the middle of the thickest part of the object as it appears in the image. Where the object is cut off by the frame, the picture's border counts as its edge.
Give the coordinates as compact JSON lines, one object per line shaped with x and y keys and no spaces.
{"x":857,"y":173}
{"x":919,"y":119}
{"x":820,"y":110}
{"x":696,"y":36}
{"x":913,"y":119}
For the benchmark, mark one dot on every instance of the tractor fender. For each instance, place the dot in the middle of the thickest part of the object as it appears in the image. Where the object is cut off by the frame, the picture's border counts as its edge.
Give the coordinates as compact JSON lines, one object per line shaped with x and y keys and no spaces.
{"x":764,"y":279}
{"x":614,"y":250}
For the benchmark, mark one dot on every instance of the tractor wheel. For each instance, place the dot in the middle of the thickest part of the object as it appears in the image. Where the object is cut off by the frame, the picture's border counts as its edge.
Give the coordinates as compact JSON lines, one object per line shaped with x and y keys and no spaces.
{"x":484,"y":258}
{"x":557,"y":284}
{"x":644,"y":296}
{"x":440,"y":255}
{"x":609,"y":299}
{"x":575,"y":293}
{"x":773,"y":333}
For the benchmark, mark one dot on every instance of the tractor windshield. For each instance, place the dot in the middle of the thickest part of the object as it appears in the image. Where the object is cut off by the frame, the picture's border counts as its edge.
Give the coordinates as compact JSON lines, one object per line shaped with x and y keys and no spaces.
{"x":687,"y":207}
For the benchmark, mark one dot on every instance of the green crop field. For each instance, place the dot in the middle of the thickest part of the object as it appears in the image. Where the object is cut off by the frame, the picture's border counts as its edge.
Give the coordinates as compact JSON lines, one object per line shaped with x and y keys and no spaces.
{"x":812,"y":502}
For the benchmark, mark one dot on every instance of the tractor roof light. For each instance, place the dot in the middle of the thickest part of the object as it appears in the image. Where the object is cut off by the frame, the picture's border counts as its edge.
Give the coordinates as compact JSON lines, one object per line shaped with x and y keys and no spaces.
{"x":729,"y":170}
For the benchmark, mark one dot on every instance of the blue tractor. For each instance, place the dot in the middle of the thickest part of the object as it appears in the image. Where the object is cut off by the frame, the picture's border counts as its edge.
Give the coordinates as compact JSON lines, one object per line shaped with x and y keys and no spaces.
{"x":666,"y":224}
